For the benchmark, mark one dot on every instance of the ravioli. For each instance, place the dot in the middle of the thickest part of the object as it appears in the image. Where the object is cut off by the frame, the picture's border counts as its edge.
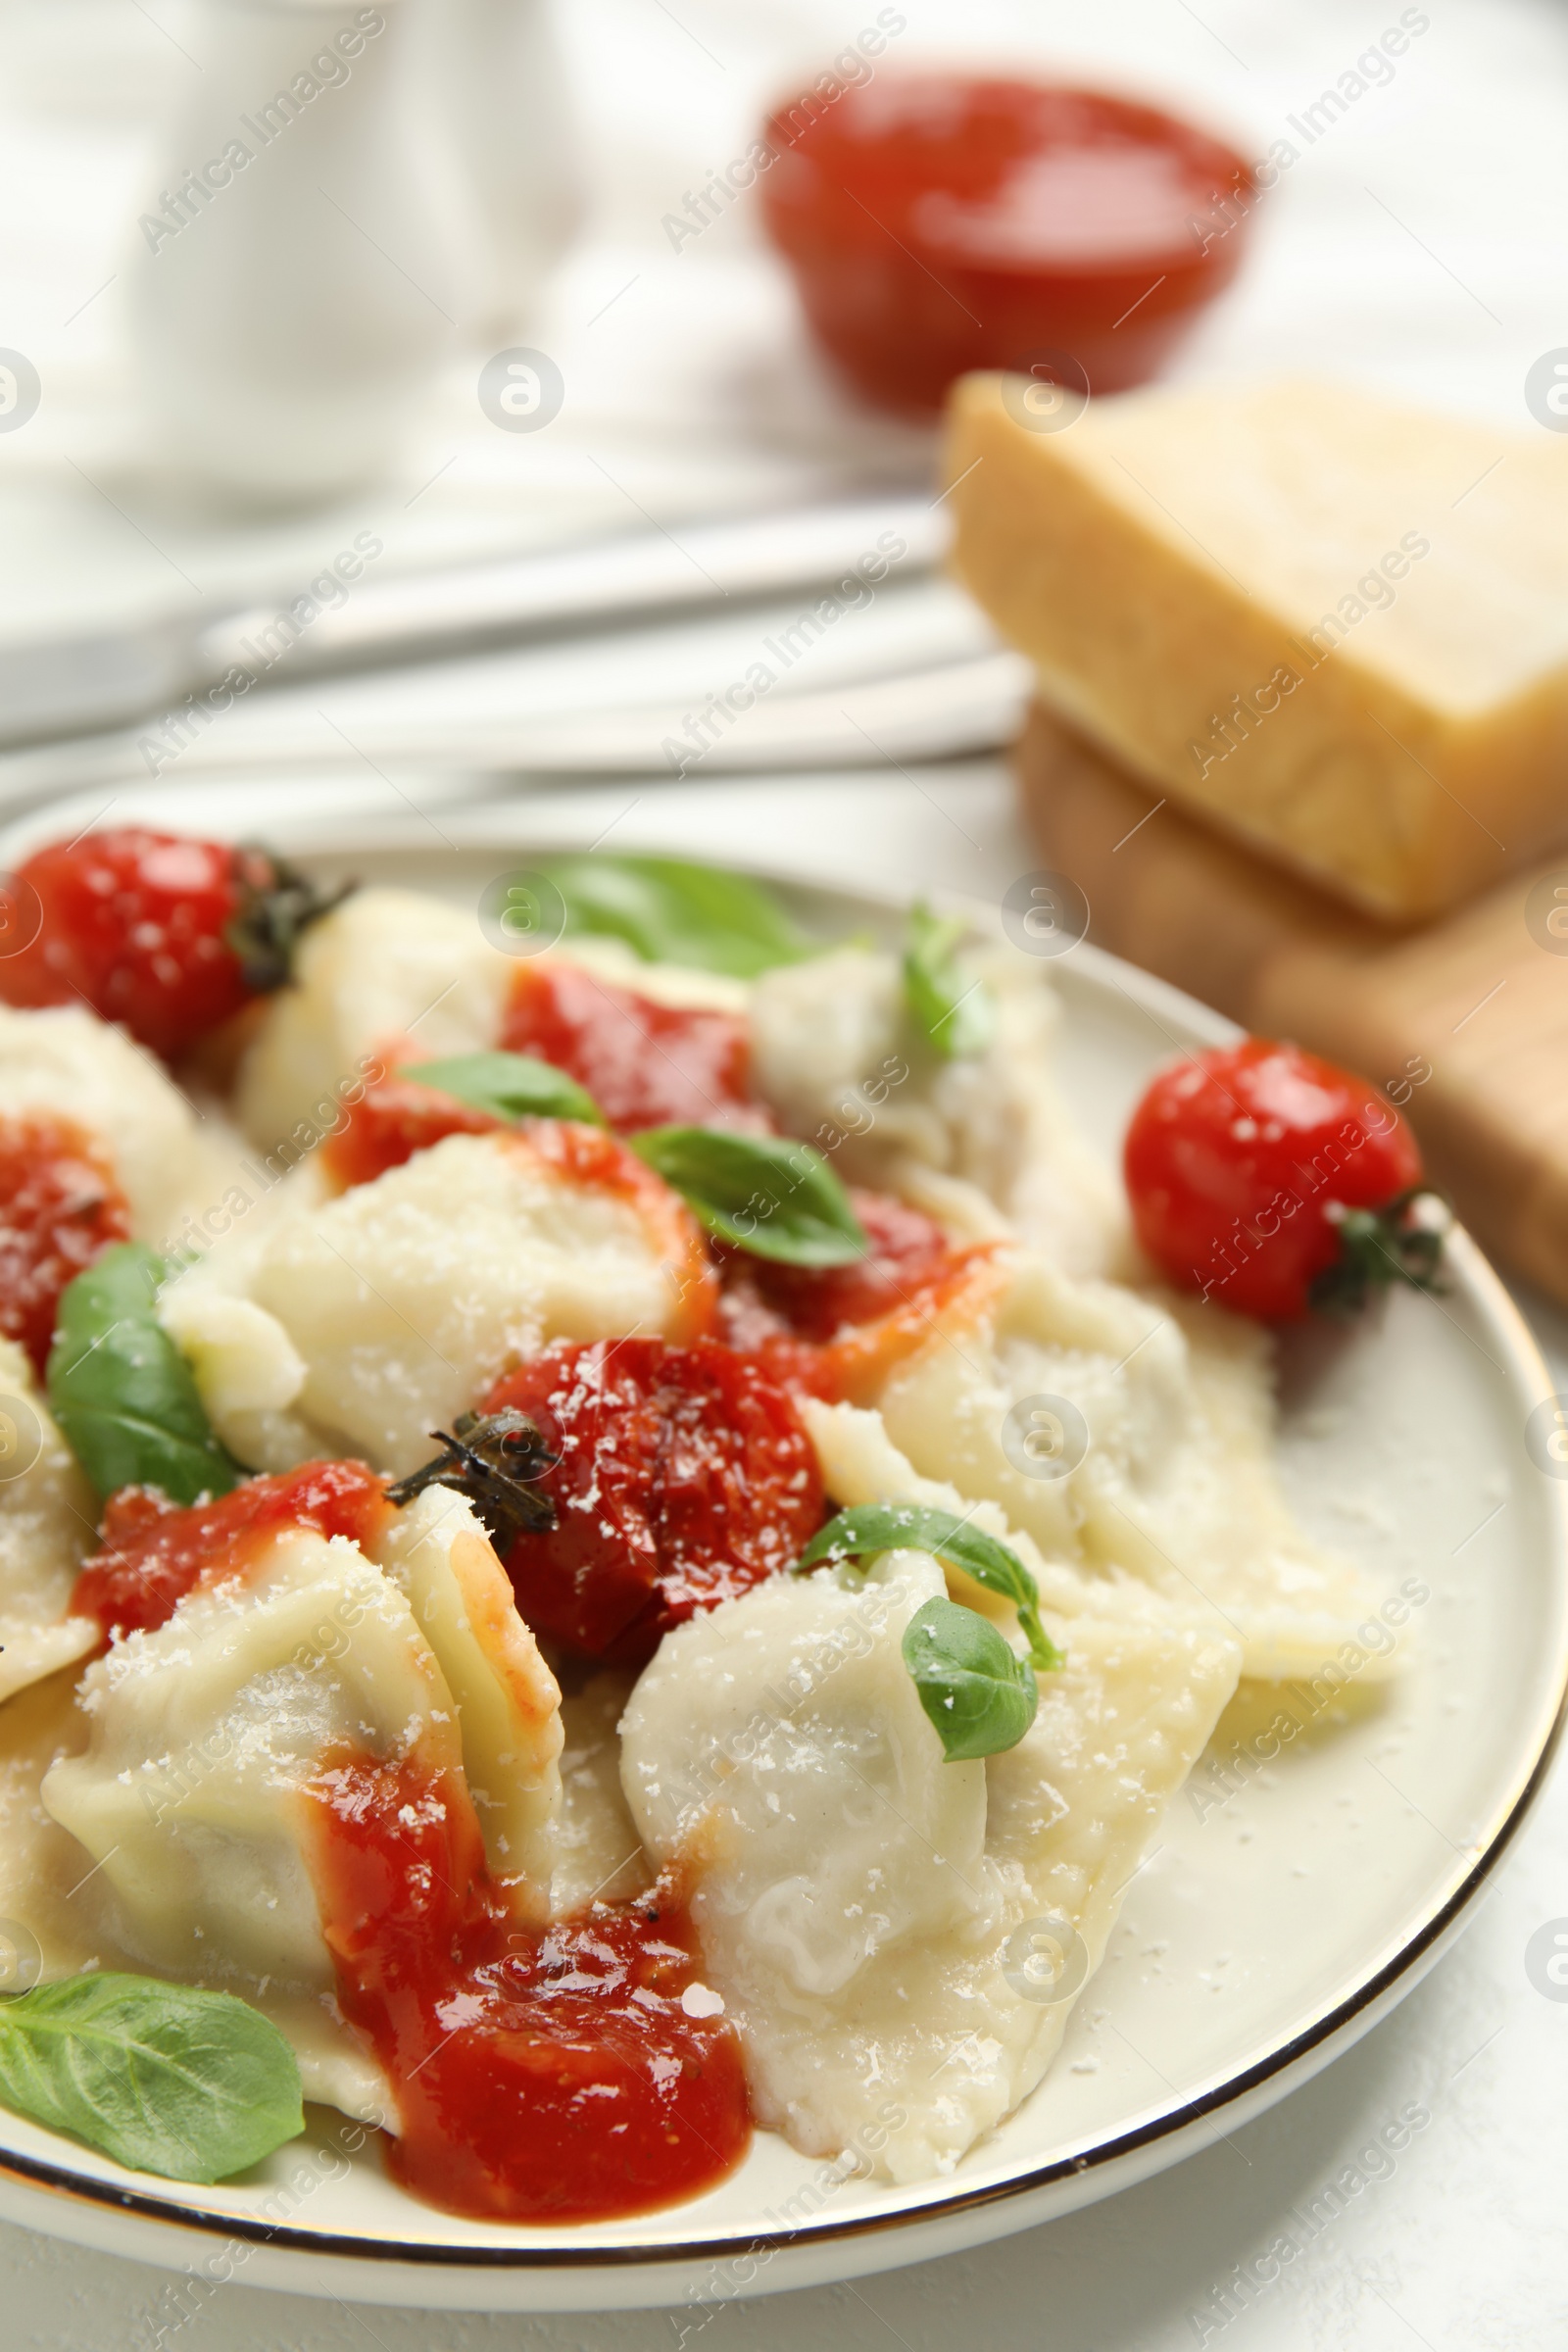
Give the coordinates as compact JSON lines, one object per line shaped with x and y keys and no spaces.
{"x":205,"y":1735}
{"x":50,"y":1890}
{"x":48,"y":1524}
{"x":401,"y":976}
{"x":169,"y":1823}
{"x":508,"y":1704}
{"x":391,"y":971}
{"x":403,"y":1300}
{"x":1175,"y":1485}
{"x":835,"y":1053}
{"x":867,"y":1908}
{"x":860,"y":1464}
{"x":165,"y":1160}
{"x":869,"y":1915}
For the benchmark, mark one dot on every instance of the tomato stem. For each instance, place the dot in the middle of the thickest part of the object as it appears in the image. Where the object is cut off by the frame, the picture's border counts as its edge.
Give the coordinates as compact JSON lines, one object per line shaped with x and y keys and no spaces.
{"x":1379,"y":1247}
{"x":277,"y":903}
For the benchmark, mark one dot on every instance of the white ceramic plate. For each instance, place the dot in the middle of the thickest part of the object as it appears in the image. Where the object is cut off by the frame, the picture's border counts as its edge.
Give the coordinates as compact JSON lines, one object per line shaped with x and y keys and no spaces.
{"x":1269,"y":1929}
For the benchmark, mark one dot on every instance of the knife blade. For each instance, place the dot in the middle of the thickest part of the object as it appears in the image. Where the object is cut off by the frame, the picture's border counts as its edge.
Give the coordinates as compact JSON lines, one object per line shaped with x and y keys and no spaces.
{"x":106,"y":678}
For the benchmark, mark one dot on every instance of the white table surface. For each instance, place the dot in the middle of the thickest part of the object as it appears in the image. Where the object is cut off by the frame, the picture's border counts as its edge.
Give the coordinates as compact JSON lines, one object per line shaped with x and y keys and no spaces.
{"x":1422,"y":245}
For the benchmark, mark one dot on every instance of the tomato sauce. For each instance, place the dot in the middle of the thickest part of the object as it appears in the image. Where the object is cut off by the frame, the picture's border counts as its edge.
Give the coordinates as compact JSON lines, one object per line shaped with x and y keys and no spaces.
{"x":540,"y":2076}
{"x":685,"y":1476}
{"x":153,"y":1551}
{"x":938,"y":222}
{"x":645,"y":1064}
{"x":837,"y":1332}
{"x":392,"y":1120}
{"x":60,"y":1208}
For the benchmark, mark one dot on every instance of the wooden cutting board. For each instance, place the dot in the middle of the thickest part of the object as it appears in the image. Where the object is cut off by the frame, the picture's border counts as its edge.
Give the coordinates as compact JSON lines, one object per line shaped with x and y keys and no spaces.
{"x":1463,"y":1022}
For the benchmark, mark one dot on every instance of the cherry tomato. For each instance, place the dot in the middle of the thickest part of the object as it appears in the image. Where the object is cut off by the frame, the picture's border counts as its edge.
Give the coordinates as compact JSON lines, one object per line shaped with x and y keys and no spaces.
{"x":168,"y":936}
{"x":1272,"y":1182}
{"x":685,"y":1476}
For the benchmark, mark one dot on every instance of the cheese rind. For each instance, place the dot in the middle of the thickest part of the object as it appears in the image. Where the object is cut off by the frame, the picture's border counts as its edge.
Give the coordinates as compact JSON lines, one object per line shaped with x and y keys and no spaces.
{"x":1333,"y":628}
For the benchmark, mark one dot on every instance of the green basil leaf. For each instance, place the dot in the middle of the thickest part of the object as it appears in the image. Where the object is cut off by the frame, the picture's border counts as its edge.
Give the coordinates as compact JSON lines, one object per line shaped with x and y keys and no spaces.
{"x":121,"y":1389}
{"x":981,"y":1698}
{"x":510,"y":1086}
{"x":164,"y":2078}
{"x":958,"y":1014}
{"x":764,"y":1194}
{"x":872,"y":1527}
{"x":674,"y":912}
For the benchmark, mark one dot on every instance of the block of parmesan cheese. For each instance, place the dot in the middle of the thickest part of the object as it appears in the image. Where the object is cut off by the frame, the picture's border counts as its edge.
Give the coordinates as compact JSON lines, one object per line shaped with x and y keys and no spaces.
{"x":1331,"y":626}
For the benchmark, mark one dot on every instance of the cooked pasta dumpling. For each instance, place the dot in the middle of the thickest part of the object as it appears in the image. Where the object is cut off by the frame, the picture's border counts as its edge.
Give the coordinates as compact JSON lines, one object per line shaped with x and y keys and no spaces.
{"x":508,"y":1703}
{"x":389,"y":971}
{"x":865,"y":1908}
{"x":837,"y":1054}
{"x":1129,"y":1437}
{"x":402,"y":1300}
{"x":191,"y":1796}
{"x":66,"y":1063}
{"x":48,"y":1522}
{"x":173,"y":1823}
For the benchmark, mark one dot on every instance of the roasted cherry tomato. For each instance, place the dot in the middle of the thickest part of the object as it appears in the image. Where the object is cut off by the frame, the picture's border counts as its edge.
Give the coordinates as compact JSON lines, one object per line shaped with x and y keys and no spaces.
{"x":685,"y":1476}
{"x":1274,"y":1183}
{"x":168,"y":936}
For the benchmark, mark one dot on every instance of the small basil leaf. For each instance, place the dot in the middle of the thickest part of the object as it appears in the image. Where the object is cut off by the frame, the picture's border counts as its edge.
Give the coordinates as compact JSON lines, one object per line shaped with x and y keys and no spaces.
{"x":956,"y":1013}
{"x":121,"y":1389}
{"x":510,"y":1086}
{"x":763,"y":1193}
{"x":872,"y":1527}
{"x":981,"y":1698}
{"x":674,"y":912}
{"x":163,"y":2078}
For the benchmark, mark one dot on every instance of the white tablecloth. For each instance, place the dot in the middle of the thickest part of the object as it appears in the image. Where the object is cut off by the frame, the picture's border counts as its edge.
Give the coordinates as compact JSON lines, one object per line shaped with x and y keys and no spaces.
{"x":1419,"y":244}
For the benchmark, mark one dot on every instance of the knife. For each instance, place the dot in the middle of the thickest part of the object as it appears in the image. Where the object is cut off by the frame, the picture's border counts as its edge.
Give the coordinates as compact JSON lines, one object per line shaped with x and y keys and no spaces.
{"x":108,"y":678}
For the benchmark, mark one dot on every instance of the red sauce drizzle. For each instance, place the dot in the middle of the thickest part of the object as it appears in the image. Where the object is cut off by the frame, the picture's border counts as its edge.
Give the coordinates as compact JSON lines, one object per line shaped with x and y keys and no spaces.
{"x":540,"y":2076}
{"x":645,"y":1064}
{"x":392,"y":1120}
{"x":155,"y":1552}
{"x":686,"y":1476}
{"x":835,"y":1332}
{"x":59,"y":1207}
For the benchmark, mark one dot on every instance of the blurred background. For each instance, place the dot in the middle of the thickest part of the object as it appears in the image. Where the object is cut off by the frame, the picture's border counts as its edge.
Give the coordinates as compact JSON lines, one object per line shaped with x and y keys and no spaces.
{"x":1417,"y":245}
